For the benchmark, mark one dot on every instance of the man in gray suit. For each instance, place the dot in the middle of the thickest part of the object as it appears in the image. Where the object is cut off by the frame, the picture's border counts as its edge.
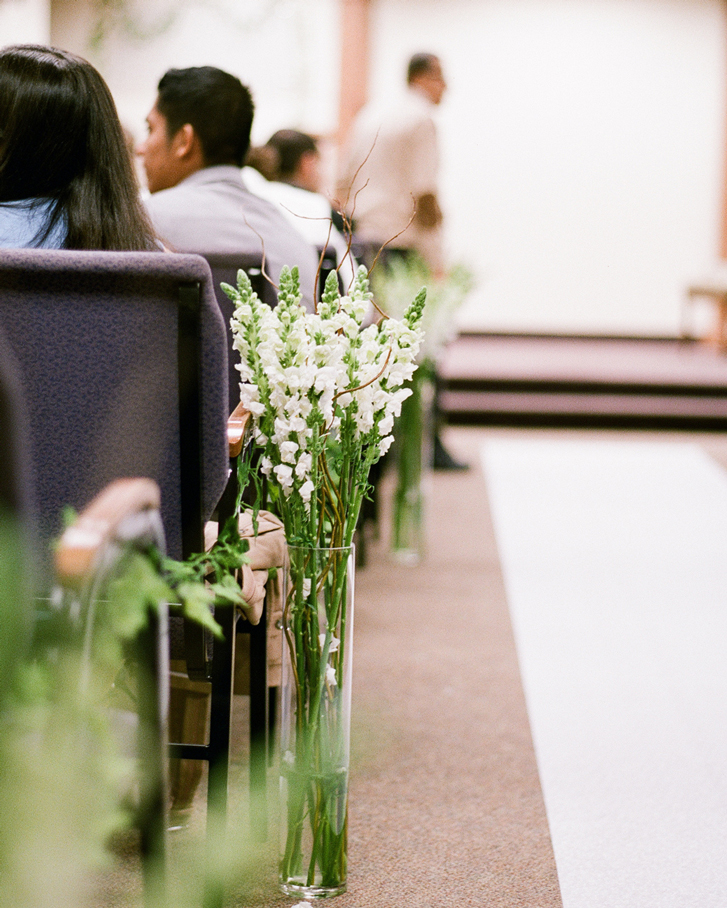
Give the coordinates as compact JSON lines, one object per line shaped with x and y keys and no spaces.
{"x":198,"y":137}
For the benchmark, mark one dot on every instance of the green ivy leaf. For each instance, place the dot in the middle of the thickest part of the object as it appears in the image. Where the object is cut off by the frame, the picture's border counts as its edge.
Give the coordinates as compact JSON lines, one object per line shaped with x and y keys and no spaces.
{"x":196,"y":599}
{"x":228,"y":590}
{"x":137,"y":588}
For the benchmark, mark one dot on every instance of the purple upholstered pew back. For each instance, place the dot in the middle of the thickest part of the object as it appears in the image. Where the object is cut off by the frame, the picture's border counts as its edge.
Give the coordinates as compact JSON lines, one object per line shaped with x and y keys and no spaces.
{"x":97,"y":336}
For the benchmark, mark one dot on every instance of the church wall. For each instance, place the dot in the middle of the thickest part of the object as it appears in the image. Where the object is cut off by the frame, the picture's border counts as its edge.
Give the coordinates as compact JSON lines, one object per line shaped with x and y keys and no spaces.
{"x":583,"y":151}
{"x":24,"y":21}
{"x":285,"y":50}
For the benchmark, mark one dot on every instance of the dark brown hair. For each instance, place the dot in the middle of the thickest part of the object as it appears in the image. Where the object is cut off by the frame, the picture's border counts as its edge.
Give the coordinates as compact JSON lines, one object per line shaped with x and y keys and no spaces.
{"x":217,"y":106}
{"x":61,"y":139}
{"x":420,"y":64}
{"x":290,"y":146}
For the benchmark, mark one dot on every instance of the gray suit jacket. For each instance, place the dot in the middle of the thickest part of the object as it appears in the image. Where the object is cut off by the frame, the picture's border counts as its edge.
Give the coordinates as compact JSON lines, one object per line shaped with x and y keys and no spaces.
{"x":213,"y":211}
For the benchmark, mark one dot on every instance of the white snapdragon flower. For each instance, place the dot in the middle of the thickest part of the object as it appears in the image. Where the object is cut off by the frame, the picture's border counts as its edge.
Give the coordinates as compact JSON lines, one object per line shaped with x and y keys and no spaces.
{"x":284,"y":475}
{"x":393,"y":410}
{"x":335,"y":644}
{"x":304,"y":465}
{"x":346,"y":323}
{"x":386,"y":424}
{"x":279,"y":394}
{"x":360,"y":307}
{"x":329,"y":354}
{"x":326,"y":378}
{"x":326,"y":396}
{"x":380,"y":399}
{"x":331,"y":676}
{"x":288,"y":450}
{"x":250,"y":400}
{"x":306,"y":491}
{"x":298,"y":407}
{"x":247,"y":374}
{"x":299,"y":378}
{"x":397,"y":399}
{"x":282,"y":431}
{"x":364,"y":418}
{"x":385,"y":444}
{"x":298,"y":425}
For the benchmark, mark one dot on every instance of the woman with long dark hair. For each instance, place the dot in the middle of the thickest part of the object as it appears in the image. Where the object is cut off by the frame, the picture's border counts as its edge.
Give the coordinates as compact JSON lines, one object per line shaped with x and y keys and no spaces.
{"x":67,"y":180}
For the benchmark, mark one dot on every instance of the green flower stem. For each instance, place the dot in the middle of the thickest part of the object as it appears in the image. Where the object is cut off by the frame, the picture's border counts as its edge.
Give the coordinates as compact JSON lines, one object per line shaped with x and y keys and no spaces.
{"x":407,"y":495}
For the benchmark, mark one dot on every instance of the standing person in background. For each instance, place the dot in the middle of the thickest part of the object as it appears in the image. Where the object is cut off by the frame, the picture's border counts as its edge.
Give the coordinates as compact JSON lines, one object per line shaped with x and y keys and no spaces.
{"x":389,"y":183}
{"x":199,"y":135}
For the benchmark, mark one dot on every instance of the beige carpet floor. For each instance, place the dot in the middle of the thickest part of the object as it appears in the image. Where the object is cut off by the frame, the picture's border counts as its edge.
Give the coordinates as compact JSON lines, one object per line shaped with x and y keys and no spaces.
{"x":447,"y":807}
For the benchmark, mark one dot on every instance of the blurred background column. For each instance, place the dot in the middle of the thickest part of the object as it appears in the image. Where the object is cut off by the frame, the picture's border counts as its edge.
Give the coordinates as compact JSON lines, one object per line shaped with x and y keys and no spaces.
{"x":723,"y":243}
{"x":355,"y":37}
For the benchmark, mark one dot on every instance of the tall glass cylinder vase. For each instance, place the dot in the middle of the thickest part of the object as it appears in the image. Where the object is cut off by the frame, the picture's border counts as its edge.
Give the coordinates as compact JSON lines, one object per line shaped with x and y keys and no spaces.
{"x":316,"y":721}
{"x":411,"y":456}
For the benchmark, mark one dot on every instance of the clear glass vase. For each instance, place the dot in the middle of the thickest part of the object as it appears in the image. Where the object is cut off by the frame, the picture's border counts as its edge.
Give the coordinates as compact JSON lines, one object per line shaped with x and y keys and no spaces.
{"x":316,"y":721}
{"x":411,"y":456}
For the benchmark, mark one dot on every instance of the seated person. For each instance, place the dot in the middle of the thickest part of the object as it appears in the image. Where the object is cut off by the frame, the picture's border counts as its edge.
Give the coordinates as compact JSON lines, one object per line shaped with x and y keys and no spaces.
{"x":199,"y":135}
{"x":290,"y":163}
{"x":66,"y":177}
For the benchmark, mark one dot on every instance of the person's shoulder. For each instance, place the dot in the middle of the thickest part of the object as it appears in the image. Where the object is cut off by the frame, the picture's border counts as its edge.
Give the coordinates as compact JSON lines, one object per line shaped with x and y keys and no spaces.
{"x":167,"y":199}
{"x":299,"y":201}
{"x":200,"y":183}
{"x":254,"y":181}
{"x":266,"y":206}
{"x":373,"y":114}
{"x":416,"y":108}
{"x":21,"y":223}
{"x":400,"y":113}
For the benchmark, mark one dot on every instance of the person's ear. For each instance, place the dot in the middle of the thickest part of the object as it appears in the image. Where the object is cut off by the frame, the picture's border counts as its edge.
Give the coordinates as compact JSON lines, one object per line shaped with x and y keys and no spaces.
{"x":185,"y":141}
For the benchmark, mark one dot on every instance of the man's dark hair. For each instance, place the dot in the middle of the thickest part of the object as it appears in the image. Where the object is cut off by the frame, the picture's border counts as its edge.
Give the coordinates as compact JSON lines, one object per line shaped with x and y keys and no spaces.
{"x":217,"y":106}
{"x":290,"y":146}
{"x":420,"y":64}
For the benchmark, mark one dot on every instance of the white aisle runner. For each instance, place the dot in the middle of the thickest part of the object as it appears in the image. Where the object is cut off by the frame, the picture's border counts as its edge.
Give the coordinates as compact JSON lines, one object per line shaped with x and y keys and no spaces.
{"x":614,"y":556}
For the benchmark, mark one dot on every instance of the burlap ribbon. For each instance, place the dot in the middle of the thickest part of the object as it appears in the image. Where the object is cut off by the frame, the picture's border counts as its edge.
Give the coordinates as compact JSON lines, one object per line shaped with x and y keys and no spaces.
{"x":267,"y":552}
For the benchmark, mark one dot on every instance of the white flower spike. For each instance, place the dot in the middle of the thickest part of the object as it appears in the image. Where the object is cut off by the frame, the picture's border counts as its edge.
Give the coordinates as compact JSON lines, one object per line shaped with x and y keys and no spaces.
{"x":323,"y":393}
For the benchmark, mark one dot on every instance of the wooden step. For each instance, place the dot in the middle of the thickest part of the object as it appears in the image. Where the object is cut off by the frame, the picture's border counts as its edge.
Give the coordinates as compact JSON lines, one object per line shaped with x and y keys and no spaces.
{"x":617,"y":410}
{"x":583,"y":381}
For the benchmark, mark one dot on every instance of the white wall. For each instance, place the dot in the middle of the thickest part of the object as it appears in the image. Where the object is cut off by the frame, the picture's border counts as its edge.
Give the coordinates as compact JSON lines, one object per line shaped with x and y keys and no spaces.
{"x":583,"y":151}
{"x":285,"y":50}
{"x":24,"y":22}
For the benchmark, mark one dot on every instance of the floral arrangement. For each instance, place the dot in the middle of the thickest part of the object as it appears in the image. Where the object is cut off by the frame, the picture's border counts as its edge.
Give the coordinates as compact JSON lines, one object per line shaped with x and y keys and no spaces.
{"x":324,"y":390}
{"x":393,"y":285}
